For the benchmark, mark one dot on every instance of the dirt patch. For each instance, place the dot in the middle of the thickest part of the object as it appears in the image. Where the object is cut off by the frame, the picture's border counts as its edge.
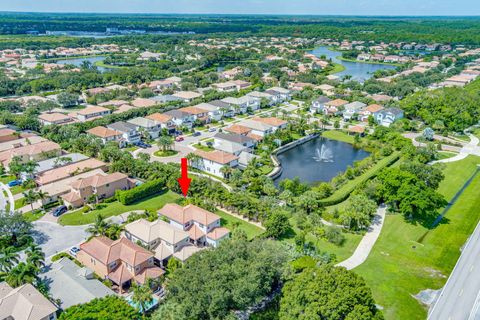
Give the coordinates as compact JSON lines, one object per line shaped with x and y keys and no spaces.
{"x":428,"y":296}
{"x":434,"y":273}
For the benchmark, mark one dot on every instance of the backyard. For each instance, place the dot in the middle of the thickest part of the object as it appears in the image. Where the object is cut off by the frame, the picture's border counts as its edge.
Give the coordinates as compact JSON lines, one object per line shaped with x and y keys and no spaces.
{"x":409,"y":257}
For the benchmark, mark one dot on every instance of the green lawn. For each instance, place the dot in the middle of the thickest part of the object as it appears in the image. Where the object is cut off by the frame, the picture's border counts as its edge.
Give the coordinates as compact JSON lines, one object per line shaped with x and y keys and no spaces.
{"x":202,"y":147}
{"x":445,"y":155}
{"x":229,"y":221}
{"x":166,"y":153}
{"x":409,"y":258}
{"x":342,"y":252}
{"x":130,"y":149}
{"x":337,"y":67}
{"x":115,"y":208}
{"x":338,"y":135}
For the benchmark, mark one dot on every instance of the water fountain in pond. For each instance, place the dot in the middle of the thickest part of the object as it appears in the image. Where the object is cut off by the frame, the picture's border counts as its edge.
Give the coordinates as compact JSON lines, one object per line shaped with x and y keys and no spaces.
{"x":324,"y":154}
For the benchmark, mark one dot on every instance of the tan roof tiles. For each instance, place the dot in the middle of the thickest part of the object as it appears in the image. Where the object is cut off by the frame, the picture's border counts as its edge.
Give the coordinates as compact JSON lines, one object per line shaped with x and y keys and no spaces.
{"x":191,"y":212}
{"x":104,"y":132}
{"x":217,"y":156}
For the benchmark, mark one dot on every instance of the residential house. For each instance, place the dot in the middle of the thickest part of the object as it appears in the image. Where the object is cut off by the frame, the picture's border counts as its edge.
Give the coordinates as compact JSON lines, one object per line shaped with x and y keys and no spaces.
{"x":334,"y":107}
{"x":69,"y":170}
{"x":92,"y":112}
{"x":213,"y":112}
{"x":25,"y":303}
{"x":180,"y":118}
{"x":34,"y":152}
{"x":164,"y":239}
{"x":213,"y":162}
{"x":23,"y":140}
{"x":244,"y":158}
{"x":223,"y":107}
{"x":229,"y":86}
{"x":129,"y":131}
{"x":150,"y":128}
{"x":202,"y":226}
{"x":97,"y":186}
{"x":121,"y":261}
{"x":164,"y":120}
{"x":275,"y":123}
{"x":7,"y":134}
{"x":371,"y":110}
{"x":72,"y":284}
{"x":107,"y":134}
{"x":238,"y":129}
{"x":233,"y":143}
{"x":187,"y":96}
{"x":388,"y":116}
{"x":280,"y":94}
{"x":270,"y":98}
{"x":352,"y":109}
{"x":243,"y":104}
{"x":54,"y":118}
{"x":230,"y":74}
{"x":143,"y":103}
{"x":198,"y":114}
{"x":258,"y":128}
{"x":318,"y":105}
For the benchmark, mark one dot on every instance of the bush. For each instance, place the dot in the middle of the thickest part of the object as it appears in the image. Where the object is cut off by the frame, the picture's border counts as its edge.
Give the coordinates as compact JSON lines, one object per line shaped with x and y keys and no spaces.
{"x":147,"y":189}
{"x":334,"y":235}
{"x":60,"y":255}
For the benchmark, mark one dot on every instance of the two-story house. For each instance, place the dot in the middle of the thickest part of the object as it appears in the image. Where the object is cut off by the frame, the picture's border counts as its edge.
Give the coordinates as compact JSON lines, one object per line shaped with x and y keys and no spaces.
{"x":352,"y":109}
{"x":275,"y":123}
{"x":161,"y":237}
{"x":280,"y":94}
{"x":31,"y":152}
{"x":164,"y":120}
{"x":122,"y":261}
{"x":388,"y":116}
{"x":98,"y":186}
{"x":213,"y":162}
{"x":233,"y":143}
{"x":129,"y":131}
{"x":149,"y":127}
{"x":180,"y":118}
{"x":203,"y":226}
{"x":371,"y":110}
{"x":257,"y":128}
{"x":92,"y":112}
{"x":318,"y":105}
{"x":107,"y":135}
{"x":198,"y":114}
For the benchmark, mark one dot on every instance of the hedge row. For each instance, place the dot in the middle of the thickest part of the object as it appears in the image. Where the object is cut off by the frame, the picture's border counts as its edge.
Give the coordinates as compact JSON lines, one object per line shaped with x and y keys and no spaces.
{"x":138,"y":193}
{"x":344,"y":192}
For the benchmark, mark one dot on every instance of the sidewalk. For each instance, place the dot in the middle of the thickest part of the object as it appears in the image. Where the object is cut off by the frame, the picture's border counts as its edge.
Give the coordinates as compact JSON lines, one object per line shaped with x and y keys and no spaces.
{"x":367,"y":242}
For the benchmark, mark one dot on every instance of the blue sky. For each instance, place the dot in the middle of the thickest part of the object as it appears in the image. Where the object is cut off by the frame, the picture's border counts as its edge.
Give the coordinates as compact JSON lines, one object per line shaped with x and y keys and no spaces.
{"x":318,"y":7}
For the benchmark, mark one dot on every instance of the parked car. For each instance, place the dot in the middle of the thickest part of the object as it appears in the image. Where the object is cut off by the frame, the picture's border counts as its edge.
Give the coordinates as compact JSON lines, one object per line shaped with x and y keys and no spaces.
{"x":143,"y":145}
{"x":178,"y":139}
{"x":212,"y":129}
{"x":74,"y":251}
{"x":196,"y":133}
{"x":58,"y":211}
{"x":14,"y":183}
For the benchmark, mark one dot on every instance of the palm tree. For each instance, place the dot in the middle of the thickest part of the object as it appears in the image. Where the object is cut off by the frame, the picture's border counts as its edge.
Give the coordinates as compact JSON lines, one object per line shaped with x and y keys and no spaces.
{"x":8,"y":259}
{"x":142,"y":296}
{"x":35,"y":256}
{"x":42,"y":196}
{"x":99,"y":227}
{"x":165,"y":142}
{"x":192,"y":158}
{"x":30,"y":197}
{"x":226,"y":171}
{"x":21,"y":274}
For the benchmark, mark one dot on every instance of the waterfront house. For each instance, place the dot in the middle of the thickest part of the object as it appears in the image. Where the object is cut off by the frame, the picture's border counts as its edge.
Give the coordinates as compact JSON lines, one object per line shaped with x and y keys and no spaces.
{"x":213,"y":162}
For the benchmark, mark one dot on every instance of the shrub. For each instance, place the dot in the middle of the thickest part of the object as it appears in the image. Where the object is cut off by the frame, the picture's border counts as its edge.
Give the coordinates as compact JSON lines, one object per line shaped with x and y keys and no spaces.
{"x":334,"y":235}
{"x":147,"y":189}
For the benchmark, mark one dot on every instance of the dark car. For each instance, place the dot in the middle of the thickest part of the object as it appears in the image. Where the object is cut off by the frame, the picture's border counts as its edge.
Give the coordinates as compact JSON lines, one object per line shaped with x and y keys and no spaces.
{"x":59,"y":211}
{"x":143,"y":145}
{"x":196,"y":134}
{"x":14,"y":183}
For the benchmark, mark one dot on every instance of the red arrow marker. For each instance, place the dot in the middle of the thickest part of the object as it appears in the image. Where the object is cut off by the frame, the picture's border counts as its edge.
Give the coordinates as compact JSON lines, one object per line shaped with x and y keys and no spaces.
{"x":184,"y":181}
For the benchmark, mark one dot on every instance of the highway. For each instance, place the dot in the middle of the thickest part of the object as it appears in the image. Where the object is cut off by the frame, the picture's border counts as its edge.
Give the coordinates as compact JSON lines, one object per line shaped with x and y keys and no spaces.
{"x":460,"y":298}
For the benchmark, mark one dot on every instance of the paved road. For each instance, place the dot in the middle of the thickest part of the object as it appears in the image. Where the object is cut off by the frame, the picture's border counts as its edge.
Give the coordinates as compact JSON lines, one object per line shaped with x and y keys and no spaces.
{"x":54,"y":238}
{"x":6,"y":197}
{"x":460,"y":298}
{"x":368,"y":241}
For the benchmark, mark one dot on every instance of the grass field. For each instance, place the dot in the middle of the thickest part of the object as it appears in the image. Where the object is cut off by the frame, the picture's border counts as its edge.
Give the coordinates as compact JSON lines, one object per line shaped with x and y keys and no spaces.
{"x":409,"y":258}
{"x":116,"y":208}
{"x":229,"y":222}
{"x":338,"y":135}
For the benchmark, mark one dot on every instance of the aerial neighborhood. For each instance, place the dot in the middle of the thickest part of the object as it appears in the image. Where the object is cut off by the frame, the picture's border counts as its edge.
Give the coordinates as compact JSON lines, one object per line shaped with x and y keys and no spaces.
{"x":186,"y":167}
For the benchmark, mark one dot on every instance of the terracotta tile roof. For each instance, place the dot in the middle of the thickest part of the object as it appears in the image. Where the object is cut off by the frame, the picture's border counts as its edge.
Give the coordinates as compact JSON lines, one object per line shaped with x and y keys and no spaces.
{"x":160,"y":117}
{"x":195,"y":233}
{"x":239,"y":129}
{"x":218,"y":233}
{"x":186,"y":252}
{"x":150,"y":231}
{"x":104,"y":132}
{"x":336,"y":103}
{"x":193,"y":110}
{"x":187,"y":94}
{"x":356,"y":129}
{"x":6,"y":132}
{"x":255,"y":136}
{"x":141,"y":102}
{"x":149,"y":273}
{"x":68,"y":170}
{"x":98,"y":180}
{"x":217,"y":156}
{"x":53,"y":117}
{"x":271,"y":121}
{"x":31,"y":149}
{"x":191,"y":212}
{"x":106,"y":251}
{"x":92,"y":109}
{"x":374,"y":108}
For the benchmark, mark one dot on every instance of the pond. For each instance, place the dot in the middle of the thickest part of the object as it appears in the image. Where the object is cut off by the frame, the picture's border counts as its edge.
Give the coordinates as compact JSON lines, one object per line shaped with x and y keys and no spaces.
{"x":78,"y":62}
{"x":357,"y":70}
{"x":318,"y":160}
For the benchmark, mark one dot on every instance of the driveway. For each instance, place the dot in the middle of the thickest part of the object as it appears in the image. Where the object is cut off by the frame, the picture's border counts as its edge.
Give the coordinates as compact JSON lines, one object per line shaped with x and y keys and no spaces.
{"x":183,"y":151}
{"x":54,"y":238}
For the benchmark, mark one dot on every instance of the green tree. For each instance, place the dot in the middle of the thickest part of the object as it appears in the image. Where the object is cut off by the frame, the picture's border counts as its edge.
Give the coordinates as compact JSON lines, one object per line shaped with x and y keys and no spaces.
{"x":327,"y":292}
{"x":358,"y":212}
{"x":277,"y":224}
{"x":8,"y":259}
{"x":30,"y":197}
{"x":142,"y":297}
{"x":99,"y":227}
{"x":35,"y":256}
{"x":165,"y":143}
{"x":108,"y":308}
{"x":22,"y":273}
